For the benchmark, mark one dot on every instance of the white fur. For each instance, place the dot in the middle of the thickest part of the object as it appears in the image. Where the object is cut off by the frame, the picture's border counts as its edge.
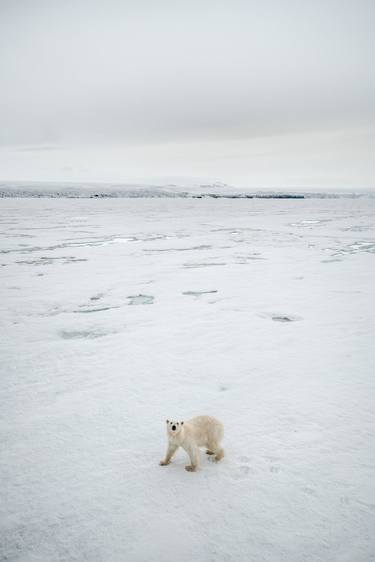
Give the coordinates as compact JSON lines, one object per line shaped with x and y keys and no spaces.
{"x":202,"y":431}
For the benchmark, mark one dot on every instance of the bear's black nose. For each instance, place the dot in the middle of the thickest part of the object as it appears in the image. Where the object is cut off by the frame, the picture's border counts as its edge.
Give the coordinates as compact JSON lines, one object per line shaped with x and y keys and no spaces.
{"x":173,"y":428}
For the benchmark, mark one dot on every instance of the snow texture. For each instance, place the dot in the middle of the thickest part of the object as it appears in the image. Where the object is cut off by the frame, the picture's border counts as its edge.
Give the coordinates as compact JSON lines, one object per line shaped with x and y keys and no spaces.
{"x":118,"y":314}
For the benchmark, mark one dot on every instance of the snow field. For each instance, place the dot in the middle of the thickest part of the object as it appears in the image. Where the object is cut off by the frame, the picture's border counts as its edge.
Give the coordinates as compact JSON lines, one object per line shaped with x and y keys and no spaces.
{"x":119,"y":314}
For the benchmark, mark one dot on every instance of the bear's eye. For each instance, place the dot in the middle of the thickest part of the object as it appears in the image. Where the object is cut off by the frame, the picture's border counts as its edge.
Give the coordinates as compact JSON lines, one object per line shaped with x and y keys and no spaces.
{"x":178,"y":423}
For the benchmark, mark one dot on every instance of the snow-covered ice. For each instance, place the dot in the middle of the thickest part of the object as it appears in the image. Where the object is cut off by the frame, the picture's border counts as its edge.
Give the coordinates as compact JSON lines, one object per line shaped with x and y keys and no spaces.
{"x":117,"y":314}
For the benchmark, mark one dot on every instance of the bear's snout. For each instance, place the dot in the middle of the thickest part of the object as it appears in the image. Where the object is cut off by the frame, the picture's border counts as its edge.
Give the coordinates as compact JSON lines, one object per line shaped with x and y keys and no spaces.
{"x":174,"y":428}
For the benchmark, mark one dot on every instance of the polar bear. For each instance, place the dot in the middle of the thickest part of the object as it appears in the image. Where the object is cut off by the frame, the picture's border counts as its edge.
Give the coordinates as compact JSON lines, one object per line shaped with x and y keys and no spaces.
{"x":202,"y":431}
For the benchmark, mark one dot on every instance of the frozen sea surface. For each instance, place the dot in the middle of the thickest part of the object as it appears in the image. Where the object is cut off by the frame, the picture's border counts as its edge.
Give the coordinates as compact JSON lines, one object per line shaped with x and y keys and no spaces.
{"x":117,"y":314}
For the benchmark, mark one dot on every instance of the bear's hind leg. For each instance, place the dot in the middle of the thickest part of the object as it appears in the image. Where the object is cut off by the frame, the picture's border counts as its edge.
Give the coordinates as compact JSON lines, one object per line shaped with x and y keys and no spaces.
{"x":219,"y":455}
{"x":217,"y":451}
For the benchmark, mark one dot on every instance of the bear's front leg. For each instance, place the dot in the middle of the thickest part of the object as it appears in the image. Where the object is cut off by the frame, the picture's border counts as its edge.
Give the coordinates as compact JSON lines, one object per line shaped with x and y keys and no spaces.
{"x":194,"y":459}
{"x":170,"y":452}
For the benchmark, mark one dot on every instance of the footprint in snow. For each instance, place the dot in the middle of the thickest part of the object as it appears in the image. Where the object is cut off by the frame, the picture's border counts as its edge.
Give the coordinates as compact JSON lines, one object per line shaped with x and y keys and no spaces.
{"x":310,"y":491}
{"x":244,"y":469}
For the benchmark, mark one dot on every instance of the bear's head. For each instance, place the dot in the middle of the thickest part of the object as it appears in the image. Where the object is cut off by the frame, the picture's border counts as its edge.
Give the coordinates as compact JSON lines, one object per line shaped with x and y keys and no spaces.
{"x":174,"y":428}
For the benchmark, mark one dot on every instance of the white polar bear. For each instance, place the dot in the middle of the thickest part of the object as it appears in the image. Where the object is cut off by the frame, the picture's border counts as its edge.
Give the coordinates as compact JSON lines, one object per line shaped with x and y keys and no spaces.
{"x":202,"y":431}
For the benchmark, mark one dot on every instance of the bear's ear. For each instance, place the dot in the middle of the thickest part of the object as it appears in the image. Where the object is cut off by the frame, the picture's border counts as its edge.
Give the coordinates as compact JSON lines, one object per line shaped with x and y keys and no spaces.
{"x":167,"y":421}
{"x":182,"y":423}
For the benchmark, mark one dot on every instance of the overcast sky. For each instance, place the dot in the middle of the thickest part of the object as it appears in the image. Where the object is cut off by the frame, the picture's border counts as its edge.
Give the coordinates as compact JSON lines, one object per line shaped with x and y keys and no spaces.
{"x":255,"y":93}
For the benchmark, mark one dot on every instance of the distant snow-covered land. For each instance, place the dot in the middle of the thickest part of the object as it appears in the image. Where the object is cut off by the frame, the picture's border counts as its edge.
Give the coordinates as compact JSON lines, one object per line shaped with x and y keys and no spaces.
{"x":183,"y":188}
{"x":119,"y":313}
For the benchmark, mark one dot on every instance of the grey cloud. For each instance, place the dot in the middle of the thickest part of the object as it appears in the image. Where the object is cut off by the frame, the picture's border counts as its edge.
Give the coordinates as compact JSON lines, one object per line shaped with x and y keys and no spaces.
{"x":253,"y":92}
{"x":112,"y":71}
